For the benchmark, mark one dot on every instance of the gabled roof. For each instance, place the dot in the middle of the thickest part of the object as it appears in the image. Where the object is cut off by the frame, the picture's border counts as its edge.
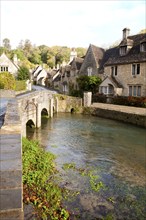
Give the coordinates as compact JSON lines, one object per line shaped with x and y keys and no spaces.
{"x":133,"y":55}
{"x":98,"y":53}
{"x":113,"y":81}
{"x":4,"y":61}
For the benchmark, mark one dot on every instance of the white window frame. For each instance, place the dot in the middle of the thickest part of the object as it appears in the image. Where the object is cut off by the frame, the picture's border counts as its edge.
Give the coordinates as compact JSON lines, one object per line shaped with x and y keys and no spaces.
{"x":135,"y":90}
{"x":4,"y":68}
{"x":89,"y":71}
{"x":114,"y":70}
{"x":135,"y":69}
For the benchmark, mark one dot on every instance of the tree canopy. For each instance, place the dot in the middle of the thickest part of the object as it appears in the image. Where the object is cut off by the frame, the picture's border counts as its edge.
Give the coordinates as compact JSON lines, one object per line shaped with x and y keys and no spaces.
{"x":88,"y":83}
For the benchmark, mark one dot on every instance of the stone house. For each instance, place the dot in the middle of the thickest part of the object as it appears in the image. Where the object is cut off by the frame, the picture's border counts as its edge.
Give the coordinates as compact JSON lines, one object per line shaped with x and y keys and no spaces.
{"x":39,"y":76}
{"x":92,"y":61}
{"x":6,"y":65}
{"x":65,"y":78}
{"x":124,"y":67}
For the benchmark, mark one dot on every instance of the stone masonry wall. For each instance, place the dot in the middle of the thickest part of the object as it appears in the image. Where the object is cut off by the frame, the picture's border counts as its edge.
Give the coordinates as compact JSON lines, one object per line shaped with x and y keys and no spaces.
{"x":67,"y":103}
{"x":127,"y":116}
{"x":11,"y":205}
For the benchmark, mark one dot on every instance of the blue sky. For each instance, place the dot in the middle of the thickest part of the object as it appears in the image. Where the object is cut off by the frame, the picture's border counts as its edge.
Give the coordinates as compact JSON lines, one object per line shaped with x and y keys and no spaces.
{"x":70,"y":23}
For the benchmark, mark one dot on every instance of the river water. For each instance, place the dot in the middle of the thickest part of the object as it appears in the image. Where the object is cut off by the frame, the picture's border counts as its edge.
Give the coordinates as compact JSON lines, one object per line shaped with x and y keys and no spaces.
{"x":110,"y":150}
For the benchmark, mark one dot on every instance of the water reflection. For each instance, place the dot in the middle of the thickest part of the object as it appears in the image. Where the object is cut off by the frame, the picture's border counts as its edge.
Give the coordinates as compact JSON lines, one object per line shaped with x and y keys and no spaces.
{"x":115,"y":150}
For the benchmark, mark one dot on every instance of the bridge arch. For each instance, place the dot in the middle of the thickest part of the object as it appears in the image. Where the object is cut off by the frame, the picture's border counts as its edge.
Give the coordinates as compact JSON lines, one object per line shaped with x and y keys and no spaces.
{"x":30,"y":123}
{"x":44,"y":112}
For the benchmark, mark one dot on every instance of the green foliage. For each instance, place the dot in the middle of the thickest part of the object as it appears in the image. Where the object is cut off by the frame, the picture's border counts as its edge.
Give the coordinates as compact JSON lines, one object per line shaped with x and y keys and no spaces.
{"x":6,"y":44}
{"x":35,"y":56}
{"x":81,"y":51}
{"x":93,"y":179}
{"x":7,"y":81}
{"x":88,"y":83}
{"x":39,"y":185}
{"x":20,"y":85}
{"x":23,"y":73}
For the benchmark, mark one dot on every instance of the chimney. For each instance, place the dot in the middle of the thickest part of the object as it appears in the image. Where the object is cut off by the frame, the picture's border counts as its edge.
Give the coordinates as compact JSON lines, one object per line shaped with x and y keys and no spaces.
{"x":126,"y":32}
{"x":15,"y":60}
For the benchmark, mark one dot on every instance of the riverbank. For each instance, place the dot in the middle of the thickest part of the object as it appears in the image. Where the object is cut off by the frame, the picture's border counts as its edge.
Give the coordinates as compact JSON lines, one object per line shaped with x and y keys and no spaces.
{"x":132,"y":115}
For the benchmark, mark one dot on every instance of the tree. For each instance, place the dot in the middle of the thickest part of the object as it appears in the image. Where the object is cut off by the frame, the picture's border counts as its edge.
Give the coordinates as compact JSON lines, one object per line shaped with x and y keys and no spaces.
{"x":6,"y":44}
{"x":88,"y":83}
{"x":81,"y":51}
{"x":23,"y":73}
{"x":7,"y":81}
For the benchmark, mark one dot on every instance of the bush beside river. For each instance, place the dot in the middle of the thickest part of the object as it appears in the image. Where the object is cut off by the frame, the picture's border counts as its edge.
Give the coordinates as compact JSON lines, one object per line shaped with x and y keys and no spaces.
{"x":40,"y":189}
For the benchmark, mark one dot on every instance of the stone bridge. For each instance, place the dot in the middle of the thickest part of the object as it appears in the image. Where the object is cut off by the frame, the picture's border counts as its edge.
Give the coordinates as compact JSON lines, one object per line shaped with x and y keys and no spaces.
{"x":33,"y":105}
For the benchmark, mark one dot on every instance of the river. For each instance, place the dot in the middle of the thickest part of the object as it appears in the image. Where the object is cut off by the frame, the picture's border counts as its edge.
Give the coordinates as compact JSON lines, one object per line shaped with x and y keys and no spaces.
{"x":111,"y":152}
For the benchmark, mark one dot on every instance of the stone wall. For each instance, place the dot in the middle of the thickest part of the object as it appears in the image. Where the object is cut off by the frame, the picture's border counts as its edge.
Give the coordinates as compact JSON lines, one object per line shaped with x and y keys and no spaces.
{"x":115,"y":114}
{"x":68,"y":103}
{"x":11,"y":201}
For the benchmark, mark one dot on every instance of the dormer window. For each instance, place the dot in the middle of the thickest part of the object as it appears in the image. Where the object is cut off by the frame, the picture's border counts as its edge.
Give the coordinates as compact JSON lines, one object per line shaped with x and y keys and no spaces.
{"x":143,"y":47}
{"x":123,"y":50}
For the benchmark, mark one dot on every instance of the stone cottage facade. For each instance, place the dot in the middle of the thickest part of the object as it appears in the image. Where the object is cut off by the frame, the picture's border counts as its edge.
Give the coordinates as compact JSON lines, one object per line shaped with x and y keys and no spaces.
{"x":39,"y":76}
{"x":6,"y":65}
{"x":65,"y":78}
{"x":124,"y":67}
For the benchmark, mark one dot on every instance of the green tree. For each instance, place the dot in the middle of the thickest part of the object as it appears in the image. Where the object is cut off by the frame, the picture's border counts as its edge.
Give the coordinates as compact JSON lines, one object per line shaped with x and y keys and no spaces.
{"x":23,"y":73}
{"x":35,"y":56}
{"x":81,"y":51}
{"x":7,"y":81}
{"x":88,"y":83}
{"x":6,"y":44}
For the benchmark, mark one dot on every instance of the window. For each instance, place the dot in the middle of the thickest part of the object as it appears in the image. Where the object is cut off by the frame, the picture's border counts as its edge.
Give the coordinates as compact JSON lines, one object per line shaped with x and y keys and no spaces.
{"x":103,"y":89}
{"x":143,"y":47}
{"x":135,"y":69}
{"x":123,"y":50}
{"x":130,"y":90}
{"x":89,"y":70}
{"x":114,"y":70}
{"x":135,"y":90}
{"x":4,"y":68}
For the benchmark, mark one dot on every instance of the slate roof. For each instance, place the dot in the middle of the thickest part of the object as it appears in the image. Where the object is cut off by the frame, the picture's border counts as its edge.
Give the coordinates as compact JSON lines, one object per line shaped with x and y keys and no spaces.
{"x":98,"y":53}
{"x":76,"y":63}
{"x":134,"y":54}
{"x":113,"y":81}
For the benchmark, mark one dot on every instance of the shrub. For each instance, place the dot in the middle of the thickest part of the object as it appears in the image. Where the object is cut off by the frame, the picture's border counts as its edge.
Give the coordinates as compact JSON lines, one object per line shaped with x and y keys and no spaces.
{"x":20,"y":85}
{"x":7,"y":81}
{"x":40,"y":188}
{"x":23,"y":73}
{"x":130,"y":101}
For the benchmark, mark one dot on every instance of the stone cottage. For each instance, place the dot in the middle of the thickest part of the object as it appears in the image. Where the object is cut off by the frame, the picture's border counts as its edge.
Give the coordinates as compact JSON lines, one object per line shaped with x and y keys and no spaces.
{"x":6,"y":65}
{"x":65,"y":78}
{"x":92,"y":61}
{"x":124,"y":67}
{"x":39,"y":76}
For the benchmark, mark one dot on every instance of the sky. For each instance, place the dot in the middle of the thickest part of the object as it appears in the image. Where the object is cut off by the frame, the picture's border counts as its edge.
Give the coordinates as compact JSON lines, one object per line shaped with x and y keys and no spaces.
{"x":75,"y":23}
